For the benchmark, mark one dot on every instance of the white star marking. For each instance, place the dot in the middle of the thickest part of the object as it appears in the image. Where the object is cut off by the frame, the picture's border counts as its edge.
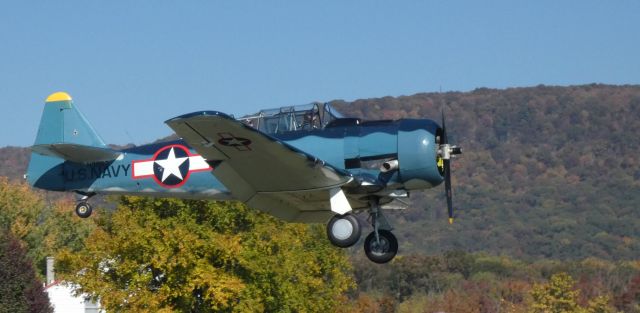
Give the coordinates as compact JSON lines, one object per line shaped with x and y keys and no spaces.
{"x":171,"y":165}
{"x":235,"y":142}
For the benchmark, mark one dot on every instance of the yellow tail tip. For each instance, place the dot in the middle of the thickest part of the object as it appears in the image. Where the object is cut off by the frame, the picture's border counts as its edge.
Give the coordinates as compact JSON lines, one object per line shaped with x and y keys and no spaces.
{"x":58,"y":96}
{"x":450,"y":220}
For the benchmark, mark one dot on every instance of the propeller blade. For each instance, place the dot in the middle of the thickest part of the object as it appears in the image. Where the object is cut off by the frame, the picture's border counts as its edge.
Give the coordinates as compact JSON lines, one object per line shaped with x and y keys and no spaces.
{"x":444,"y":140}
{"x":447,"y":189}
{"x":447,"y":171}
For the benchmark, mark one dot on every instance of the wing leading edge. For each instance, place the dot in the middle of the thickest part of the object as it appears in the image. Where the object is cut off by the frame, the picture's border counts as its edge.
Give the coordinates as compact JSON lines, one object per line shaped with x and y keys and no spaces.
{"x":260,"y":170}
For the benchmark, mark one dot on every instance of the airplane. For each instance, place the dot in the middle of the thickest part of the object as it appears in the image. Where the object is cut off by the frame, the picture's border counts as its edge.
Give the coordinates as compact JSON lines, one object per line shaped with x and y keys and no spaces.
{"x":305,"y":163}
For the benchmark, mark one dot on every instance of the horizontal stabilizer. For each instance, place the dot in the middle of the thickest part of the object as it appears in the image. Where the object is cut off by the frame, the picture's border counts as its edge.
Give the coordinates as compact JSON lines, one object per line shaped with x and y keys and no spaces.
{"x":76,"y":153}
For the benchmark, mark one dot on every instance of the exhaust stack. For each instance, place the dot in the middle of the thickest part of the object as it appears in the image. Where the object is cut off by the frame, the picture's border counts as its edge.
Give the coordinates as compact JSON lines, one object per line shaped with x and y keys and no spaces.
{"x":389,"y":166}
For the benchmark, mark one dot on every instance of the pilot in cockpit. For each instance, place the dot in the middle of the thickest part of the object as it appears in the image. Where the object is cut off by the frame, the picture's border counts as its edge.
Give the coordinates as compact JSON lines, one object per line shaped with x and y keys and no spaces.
{"x":310,"y":121}
{"x":248,"y":122}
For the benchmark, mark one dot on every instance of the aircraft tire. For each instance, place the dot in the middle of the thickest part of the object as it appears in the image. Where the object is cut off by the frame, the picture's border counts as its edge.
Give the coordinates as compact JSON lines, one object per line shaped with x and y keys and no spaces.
{"x":383,"y":252}
{"x":343,"y":230}
{"x":83,"y":209}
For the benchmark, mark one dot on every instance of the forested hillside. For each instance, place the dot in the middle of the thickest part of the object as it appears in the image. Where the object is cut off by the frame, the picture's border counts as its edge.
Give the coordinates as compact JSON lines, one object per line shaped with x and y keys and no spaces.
{"x":547,"y":172}
{"x":13,"y":162}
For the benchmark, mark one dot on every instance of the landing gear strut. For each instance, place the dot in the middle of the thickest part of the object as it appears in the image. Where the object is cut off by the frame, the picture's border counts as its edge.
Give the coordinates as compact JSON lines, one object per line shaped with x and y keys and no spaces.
{"x":380,"y":246}
{"x":83,"y":208}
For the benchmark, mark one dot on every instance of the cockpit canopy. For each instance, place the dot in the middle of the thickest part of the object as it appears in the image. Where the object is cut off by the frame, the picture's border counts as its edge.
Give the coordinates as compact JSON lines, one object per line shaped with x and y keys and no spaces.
{"x":293,"y":118}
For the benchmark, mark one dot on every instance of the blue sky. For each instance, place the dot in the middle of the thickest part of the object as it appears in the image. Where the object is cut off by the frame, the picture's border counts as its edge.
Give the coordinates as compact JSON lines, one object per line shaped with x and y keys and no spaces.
{"x":130,"y":65}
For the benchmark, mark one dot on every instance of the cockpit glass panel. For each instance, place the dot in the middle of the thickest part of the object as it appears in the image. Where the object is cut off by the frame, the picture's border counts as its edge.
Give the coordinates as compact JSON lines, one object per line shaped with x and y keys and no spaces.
{"x":293,"y":118}
{"x":332,"y":111}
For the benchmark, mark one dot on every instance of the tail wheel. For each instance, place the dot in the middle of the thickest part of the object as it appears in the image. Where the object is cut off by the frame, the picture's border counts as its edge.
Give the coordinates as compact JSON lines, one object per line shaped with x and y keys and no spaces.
{"x":83,"y":209}
{"x":382,"y":249}
{"x":343,"y":230}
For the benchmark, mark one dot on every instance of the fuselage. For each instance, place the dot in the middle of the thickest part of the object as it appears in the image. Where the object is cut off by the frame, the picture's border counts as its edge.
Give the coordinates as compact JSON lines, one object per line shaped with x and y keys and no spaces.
{"x":173,"y":169}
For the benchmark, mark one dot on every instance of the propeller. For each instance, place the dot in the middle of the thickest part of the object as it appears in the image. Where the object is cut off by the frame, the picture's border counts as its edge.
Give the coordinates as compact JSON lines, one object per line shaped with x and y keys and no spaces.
{"x":447,"y":151}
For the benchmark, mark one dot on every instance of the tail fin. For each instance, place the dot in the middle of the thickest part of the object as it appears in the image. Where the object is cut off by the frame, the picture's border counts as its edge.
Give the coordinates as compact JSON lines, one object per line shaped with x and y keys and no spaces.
{"x":64,"y":134}
{"x":61,"y":122}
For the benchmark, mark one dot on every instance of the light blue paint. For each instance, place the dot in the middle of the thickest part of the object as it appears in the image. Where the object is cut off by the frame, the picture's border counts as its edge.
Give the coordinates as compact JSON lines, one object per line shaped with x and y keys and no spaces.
{"x":62,"y":122}
{"x":417,"y":156}
{"x":377,"y":144}
{"x":330,"y":150}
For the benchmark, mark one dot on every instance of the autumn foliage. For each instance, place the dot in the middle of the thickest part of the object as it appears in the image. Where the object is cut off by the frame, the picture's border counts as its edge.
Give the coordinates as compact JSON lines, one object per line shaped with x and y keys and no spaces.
{"x":165,"y":254}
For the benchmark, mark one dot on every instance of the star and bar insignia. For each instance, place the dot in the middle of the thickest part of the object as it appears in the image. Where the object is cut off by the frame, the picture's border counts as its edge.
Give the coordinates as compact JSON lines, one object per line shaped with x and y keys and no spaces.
{"x":170,"y":166}
{"x":229,"y":140}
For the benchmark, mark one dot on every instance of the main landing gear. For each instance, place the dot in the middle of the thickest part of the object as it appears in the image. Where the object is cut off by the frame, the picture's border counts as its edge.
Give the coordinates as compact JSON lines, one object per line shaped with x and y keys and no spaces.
{"x":343,"y":230}
{"x":83,"y":208}
{"x":380,"y":246}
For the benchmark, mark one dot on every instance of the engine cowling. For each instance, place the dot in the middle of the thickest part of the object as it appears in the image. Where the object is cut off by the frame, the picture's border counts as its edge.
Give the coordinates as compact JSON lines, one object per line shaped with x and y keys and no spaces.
{"x":418,"y":154}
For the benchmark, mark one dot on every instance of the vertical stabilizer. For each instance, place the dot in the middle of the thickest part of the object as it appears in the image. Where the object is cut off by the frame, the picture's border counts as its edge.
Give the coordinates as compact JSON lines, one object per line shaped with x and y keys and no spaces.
{"x":64,"y":134}
{"x":62,"y":122}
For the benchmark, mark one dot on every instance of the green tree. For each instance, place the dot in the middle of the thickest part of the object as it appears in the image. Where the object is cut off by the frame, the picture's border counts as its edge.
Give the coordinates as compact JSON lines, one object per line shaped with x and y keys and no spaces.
{"x":59,"y":228}
{"x":199,"y":256}
{"x":556,"y":296}
{"x":600,"y":304}
{"x":20,"y":290}
{"x":20,"y":208}
{"x":44,"y":227}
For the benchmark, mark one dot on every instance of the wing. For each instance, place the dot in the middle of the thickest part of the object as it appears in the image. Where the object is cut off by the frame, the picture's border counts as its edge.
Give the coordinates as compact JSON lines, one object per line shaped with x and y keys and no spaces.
{"x":260,"y":170}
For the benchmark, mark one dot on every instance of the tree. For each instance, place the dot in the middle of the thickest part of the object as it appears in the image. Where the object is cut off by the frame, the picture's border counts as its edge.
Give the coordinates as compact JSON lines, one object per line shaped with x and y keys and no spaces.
{"x":556,"y":296}
{"x":600,"y":304}
{"x":199,"y":256}
{"x":20,"y":208}
{"x":43,"y":227}
{"x":59,"y":228}
{"x":20,"y":290}
{"x":629,"y":299}
{"x":559,"y":296}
